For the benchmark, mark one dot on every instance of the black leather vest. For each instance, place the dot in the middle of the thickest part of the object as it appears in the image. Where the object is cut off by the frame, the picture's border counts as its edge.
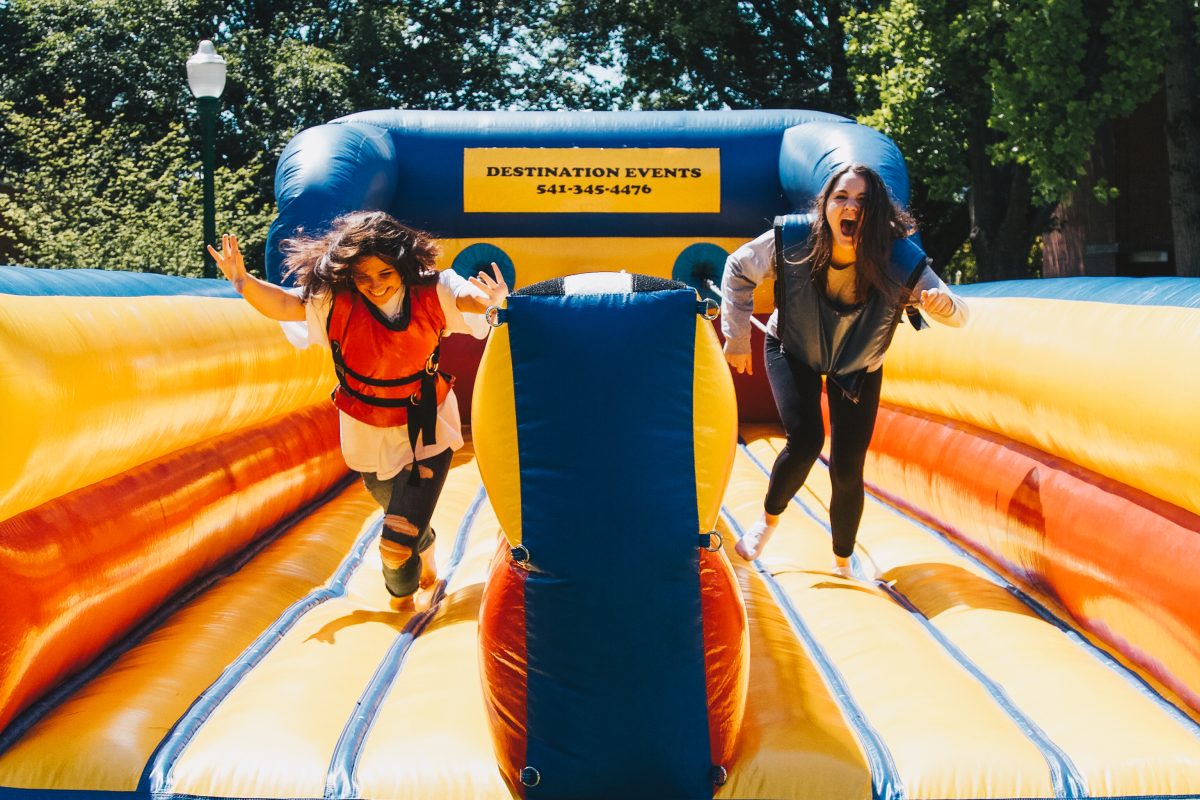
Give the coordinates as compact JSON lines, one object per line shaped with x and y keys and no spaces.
{"x":840,"y":342}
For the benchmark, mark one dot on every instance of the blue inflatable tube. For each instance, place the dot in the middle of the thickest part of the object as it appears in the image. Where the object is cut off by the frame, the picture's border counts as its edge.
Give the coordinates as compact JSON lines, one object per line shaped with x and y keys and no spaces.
{"x":411,"y":164}
{"x":105,"y":283}
{"x":1165,"y":291}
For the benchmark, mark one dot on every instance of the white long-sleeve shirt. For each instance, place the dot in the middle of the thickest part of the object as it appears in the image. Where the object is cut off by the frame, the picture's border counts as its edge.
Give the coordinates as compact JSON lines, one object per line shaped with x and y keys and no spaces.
{"x":754,"y":262}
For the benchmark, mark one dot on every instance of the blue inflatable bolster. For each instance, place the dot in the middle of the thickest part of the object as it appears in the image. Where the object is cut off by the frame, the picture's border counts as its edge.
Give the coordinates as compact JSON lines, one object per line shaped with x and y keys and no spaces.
{"x":327,"y":171}
{"x":907,"y":255}
{"x":810,"y":153}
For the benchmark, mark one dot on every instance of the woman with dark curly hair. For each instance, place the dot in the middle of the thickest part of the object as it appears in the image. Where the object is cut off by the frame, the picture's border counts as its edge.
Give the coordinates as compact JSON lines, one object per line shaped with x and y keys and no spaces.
{"x":843,"y":275}
{"x":369,"y":290}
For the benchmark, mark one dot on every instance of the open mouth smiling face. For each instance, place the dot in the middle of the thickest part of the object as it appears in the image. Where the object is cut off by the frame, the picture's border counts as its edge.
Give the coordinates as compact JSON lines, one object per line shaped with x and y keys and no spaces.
{"x":376,"y":280}
{"x":844,"y":208}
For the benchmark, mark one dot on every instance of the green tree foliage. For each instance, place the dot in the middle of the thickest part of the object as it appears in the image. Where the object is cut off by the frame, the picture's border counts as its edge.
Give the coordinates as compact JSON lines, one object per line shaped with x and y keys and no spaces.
{"x":134,"y":209}
{"x":996,"y":104}
{"x":115,"y":69}
{"x":713,"y":54}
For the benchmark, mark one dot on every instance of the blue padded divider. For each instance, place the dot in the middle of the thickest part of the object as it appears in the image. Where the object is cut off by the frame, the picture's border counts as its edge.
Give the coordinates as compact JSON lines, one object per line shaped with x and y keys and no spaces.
{"x":617,"y":702}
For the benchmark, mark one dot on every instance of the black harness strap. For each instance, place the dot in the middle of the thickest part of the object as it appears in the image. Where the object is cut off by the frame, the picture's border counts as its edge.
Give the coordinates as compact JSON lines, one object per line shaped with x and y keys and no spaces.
{"x":342,"y":369}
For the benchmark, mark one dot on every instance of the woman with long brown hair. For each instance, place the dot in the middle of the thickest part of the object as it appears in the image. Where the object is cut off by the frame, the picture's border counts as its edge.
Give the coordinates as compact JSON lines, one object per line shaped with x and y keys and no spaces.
{"x":369,"y":291}
{"x":843,"y":277}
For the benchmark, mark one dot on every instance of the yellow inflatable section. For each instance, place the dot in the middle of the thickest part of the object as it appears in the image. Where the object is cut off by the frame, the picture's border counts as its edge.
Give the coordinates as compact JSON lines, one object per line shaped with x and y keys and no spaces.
{"x":192,"y":604}
{"x":1124,"y":406}
{"x":94,"y":387}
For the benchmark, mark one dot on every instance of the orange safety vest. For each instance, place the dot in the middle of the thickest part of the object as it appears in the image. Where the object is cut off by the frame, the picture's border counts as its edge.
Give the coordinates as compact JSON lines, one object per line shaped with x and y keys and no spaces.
{"x":388,"y":369}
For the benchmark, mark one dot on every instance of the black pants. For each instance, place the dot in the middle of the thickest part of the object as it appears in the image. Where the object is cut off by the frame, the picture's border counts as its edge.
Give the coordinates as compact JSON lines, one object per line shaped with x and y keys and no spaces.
{"x":797,"y":390}
{"x":416,"y":504}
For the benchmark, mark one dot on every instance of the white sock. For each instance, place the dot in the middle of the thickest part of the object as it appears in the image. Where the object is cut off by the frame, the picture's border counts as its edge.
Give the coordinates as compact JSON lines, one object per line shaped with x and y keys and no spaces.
{"x":751,"y":545}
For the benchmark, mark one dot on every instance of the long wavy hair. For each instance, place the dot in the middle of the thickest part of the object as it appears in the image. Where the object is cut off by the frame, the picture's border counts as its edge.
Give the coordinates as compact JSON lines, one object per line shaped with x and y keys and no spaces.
{"x":325,"y":264}
{"x":881,"y":222}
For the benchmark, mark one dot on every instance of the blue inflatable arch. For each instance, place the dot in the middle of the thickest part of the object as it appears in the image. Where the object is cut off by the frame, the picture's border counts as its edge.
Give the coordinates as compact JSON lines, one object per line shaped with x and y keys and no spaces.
{"x":417,"y":166}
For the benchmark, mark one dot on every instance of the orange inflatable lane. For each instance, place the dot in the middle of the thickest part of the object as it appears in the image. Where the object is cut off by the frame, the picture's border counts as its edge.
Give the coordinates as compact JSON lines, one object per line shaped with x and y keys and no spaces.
{"x":79,"y":571}
{"x":1120,"y":561}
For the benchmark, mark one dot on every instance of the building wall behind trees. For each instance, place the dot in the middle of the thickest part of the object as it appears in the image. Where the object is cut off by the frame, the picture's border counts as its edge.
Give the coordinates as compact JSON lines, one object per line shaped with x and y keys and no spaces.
{"x":1131,"y":234}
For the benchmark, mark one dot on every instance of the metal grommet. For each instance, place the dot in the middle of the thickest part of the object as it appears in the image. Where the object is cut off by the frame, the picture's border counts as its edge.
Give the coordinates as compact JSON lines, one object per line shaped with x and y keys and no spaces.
{"x":492,"y":316}
{"x":710,"y":547}
{"x":711,"y":309}
{"x":719,"y":775}
{"x":530,"y":776}
{"x":520,"y":555}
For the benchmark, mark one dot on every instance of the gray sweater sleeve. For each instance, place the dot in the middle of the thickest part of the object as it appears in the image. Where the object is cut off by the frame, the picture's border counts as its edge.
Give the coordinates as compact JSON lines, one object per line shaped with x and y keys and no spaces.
{"x":746,"y":268}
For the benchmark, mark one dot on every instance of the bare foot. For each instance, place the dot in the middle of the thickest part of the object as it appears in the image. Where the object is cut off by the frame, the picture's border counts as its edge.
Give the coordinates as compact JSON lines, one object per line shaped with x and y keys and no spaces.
{"x":405,"y":603}
{"x":423,"y":598}
{"x":429,"y":574}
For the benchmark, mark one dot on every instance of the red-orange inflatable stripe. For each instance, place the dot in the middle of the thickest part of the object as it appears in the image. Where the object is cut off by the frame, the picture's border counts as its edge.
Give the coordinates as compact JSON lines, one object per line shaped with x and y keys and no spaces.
{"x":726,"y":655}
{"x":505,"y":660}
{"x":1122,"y":562}
{"x":505,"y":664}
{"x":79,"y":571}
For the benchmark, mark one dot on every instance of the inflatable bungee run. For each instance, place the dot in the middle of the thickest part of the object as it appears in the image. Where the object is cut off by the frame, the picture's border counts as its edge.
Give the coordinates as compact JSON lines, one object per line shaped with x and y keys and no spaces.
{"x":189,"y":577}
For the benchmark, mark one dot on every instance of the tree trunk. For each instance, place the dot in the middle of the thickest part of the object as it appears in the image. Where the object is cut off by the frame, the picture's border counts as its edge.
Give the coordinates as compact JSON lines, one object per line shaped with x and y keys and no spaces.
{"x":1182,"y":73}
{"x":842,"y":99}
{"x":1004,"y":221}
{"x":944,"y":226}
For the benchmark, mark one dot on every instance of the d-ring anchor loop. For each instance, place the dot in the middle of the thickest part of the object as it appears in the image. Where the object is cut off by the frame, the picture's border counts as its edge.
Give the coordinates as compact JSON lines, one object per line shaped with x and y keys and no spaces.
{"x":710,"y":308}
{"x":493,"y":316}
{"x":530,"y":776}
{"x":520,"y":556}
{"x":711,"y":541}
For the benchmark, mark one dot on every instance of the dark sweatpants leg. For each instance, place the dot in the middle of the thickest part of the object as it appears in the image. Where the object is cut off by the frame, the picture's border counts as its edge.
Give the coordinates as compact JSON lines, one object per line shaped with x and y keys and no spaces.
{"x":797,"y":391}
{"x":415,"y":504}
{"x":850,"y":428}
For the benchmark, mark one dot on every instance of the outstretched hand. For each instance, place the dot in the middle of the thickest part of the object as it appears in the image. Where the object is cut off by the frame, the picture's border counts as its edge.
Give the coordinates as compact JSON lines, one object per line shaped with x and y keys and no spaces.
{"x":937,"y":302}
{"x":229,"y":261}
{"x":742,"y":362}
{"x":491,"y":285}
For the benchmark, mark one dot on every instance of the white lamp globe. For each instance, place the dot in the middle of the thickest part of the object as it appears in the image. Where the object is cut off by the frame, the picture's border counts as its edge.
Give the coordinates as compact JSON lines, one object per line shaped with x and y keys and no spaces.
{"x":206,"y":71}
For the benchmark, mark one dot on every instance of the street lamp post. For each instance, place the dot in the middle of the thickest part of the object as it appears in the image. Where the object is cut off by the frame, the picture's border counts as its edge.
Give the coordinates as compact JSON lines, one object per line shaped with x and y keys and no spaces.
{"x":206,"y":79}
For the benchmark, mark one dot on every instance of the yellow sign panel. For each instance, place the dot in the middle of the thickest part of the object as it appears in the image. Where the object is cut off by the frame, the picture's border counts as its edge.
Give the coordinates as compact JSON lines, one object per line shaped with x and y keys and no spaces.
{"x":591,"y":180}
